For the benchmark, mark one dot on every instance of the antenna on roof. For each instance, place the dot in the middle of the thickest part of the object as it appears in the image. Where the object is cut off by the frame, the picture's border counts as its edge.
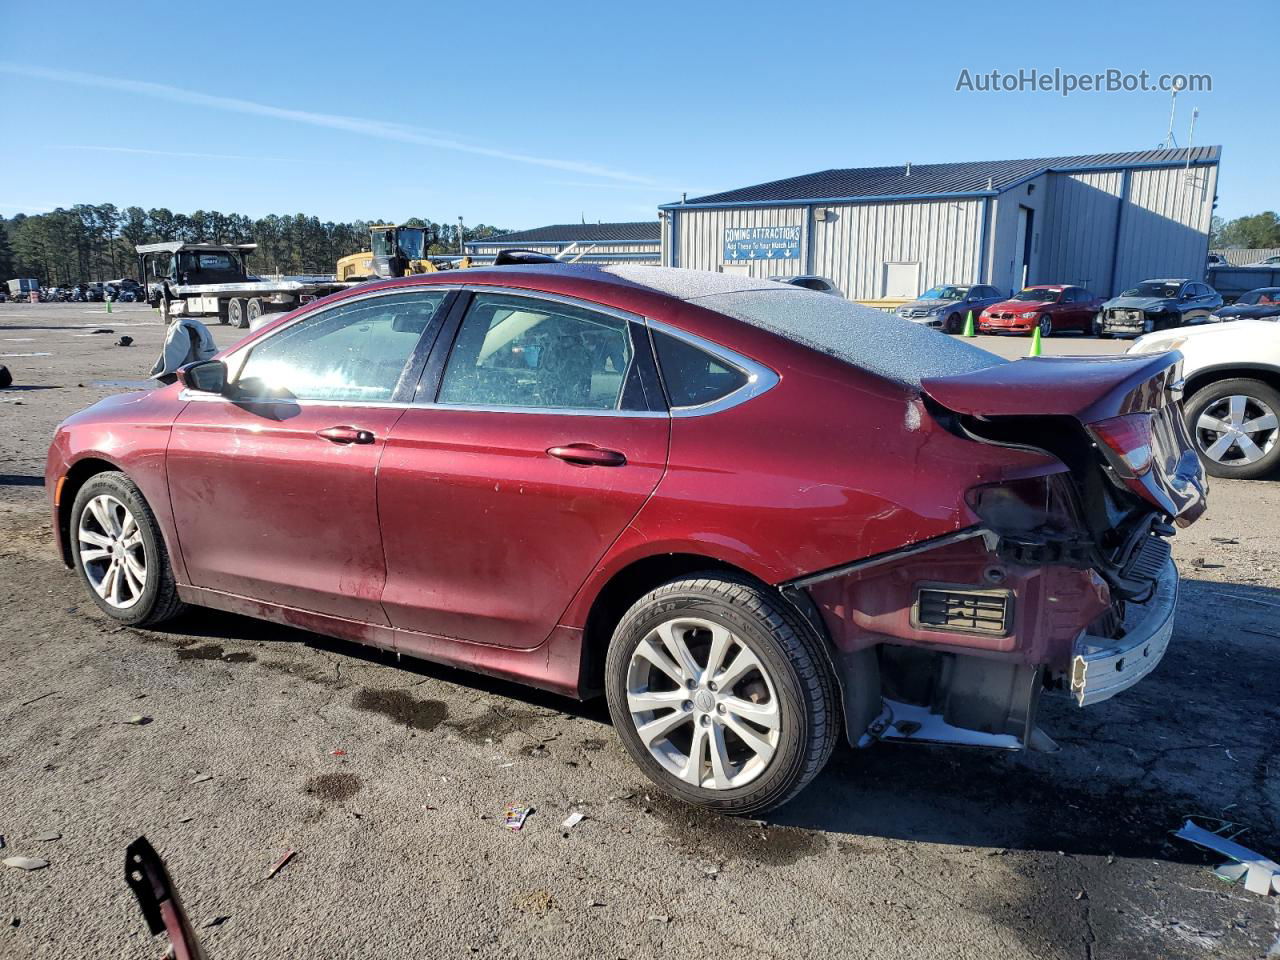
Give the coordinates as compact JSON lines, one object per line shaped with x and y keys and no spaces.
{"x":1169,"y":139}
{"x":908,"y":173}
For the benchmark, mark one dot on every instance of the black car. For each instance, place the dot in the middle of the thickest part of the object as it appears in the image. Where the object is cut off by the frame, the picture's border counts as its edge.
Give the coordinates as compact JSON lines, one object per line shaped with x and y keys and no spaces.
{"x":1260,"y":304}
{"x":1158,"y":304}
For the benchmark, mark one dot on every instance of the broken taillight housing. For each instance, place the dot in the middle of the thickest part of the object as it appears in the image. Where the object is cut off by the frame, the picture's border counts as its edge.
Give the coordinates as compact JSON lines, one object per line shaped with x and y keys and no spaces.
{"x":1045,"y":503}
{"x":1126,"y":442}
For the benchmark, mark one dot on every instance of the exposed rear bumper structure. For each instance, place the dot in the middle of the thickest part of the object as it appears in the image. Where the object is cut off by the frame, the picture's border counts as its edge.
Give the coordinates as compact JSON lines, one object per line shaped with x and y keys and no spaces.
{"x":1101,"y":668}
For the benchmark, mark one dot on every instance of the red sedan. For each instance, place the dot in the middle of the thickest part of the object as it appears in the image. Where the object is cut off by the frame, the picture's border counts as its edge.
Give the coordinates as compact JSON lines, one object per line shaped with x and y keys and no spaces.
{"x":1051,"y":307}
{"x":743,"y":510}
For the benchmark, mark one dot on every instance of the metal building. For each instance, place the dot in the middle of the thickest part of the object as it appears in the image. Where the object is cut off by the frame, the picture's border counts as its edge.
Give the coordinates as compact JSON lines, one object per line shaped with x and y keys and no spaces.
{"x":1102,"y":221}
{"x":639,"y":242}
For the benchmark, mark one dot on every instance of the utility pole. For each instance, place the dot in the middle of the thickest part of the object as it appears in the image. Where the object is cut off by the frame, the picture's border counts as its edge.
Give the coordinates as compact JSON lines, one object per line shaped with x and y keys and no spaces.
{"x":461,"y":249}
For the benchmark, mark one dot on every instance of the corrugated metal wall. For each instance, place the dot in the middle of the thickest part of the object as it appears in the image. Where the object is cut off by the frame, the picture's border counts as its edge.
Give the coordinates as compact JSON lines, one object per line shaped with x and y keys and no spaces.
{"x":1164,"y":229}
{"x":853,"y":246}
{"x":1078,"y":239}
{"x":700,"y":238}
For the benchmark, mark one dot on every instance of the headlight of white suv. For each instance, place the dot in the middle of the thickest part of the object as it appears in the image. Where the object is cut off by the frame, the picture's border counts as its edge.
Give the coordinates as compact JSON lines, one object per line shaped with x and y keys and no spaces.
{"x":1155,"y":344}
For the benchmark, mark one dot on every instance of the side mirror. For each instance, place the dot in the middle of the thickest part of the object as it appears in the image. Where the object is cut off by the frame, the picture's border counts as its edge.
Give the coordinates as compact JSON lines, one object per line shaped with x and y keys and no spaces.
{"x":205,"y":376}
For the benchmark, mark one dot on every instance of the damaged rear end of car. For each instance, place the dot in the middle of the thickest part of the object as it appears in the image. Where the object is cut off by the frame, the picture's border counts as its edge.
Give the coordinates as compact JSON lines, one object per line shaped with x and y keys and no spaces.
{"x":1062,"y":581}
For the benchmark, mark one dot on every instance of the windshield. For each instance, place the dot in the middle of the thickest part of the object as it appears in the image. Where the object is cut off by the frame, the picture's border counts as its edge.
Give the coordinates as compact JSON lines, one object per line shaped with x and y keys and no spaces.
{"x":381,"y":243}
{"x":1038,"y":296}
{"x":1153,"y":288}
{"x":411,"y":241}
{"x":945,"y":293}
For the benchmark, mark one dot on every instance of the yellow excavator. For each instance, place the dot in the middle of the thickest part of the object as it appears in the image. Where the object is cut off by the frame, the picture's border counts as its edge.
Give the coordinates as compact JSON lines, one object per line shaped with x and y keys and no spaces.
{"x":394,"y":251}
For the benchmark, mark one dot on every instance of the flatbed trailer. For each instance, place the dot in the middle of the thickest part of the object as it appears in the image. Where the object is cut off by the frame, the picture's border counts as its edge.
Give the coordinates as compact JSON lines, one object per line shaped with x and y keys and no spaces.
{"x":212,"y":279}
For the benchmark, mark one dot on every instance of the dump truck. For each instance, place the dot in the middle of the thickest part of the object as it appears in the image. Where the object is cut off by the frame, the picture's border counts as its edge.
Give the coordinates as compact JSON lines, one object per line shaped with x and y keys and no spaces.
{"x":213,"y":279}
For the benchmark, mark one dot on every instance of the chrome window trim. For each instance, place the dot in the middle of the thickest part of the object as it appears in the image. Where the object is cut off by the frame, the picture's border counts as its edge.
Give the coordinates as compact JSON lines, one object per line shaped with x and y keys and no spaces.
{"x":196,"y":396}
{"x":760,"y":379}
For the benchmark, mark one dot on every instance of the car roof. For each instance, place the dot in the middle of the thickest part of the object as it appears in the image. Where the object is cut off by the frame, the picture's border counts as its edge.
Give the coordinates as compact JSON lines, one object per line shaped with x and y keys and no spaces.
{"x":880,"y":343}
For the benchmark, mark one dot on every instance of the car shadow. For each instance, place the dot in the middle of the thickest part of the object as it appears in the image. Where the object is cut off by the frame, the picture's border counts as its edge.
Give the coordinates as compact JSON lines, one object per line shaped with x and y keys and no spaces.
{"x":20,"y":480}
{"x":1197,"y":737}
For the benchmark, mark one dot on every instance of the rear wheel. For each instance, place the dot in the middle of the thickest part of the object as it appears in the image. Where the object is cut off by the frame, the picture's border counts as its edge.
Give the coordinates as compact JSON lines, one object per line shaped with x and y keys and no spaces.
{"x":721,"y":694}
{"x":236,"y":313}
{"x":120,"y":554}
{"x":1235,"y":426}
{"x":1045,"y":322}
{"x":255,"y":310}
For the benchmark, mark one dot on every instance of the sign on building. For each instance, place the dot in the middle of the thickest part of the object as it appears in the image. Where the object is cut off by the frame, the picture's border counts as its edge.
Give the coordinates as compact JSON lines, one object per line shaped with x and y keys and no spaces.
{"x":762,"y":243}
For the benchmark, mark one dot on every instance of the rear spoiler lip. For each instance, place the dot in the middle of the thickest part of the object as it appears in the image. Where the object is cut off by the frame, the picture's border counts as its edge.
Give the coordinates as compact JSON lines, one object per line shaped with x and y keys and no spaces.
{"x":1087,"y":388}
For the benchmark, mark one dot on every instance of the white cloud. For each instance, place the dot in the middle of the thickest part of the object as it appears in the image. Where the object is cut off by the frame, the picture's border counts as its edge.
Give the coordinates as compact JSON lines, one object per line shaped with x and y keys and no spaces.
{"x":379,"y":129}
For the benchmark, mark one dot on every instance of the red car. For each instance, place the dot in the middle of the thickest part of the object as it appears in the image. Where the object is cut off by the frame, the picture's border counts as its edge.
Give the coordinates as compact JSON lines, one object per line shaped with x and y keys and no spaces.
{"x":741,"y":510}
{"x":1051,"y":307}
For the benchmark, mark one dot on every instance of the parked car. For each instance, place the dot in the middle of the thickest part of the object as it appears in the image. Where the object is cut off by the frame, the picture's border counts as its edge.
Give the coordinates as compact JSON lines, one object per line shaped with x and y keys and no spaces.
{"x":1231,"y":374}
{"x":811,"y":281}
{"x":1260,"y":304}
{"x":581,"y":449}
{"x":1157,"y":305}
{"x":946,"y":305}
{"x":1269,"y":262}
{"x":1052,"y":307}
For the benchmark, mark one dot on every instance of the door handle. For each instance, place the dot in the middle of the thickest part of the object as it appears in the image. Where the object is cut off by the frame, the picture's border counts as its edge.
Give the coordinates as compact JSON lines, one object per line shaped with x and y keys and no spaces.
{"x":587,"y":455}
{"x":345,"y":435}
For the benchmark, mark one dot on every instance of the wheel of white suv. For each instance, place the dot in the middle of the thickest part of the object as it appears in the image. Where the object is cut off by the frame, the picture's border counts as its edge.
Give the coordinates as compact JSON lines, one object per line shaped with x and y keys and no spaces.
{"x":721,"y":693}
{"x":1235,"y":427}
{"x":119,"y":553}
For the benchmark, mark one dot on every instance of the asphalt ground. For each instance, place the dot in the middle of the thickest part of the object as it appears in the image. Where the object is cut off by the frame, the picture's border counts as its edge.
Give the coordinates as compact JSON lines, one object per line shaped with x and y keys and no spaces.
{"x":388,"y":778}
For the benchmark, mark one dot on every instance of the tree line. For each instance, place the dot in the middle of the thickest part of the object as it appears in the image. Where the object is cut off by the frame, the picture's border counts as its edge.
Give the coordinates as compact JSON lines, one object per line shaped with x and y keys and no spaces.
{"x":1261,"y":231}
{"x":96,"y":241}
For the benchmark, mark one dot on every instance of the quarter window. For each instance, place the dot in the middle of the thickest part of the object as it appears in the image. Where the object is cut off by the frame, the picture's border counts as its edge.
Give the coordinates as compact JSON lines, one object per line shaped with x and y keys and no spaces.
{"x":514,"y":351}
{"x":692,"y":376}
{"x":353,"y":352}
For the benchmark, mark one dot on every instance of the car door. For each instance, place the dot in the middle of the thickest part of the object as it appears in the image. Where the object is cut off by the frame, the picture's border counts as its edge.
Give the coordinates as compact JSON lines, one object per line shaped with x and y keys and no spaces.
{"x":273,"y":485}
{"x":540,"y":434}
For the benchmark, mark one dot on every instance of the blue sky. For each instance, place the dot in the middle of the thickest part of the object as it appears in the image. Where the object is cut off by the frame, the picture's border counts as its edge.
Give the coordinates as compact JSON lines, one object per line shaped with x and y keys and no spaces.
{"x":520,"y":114}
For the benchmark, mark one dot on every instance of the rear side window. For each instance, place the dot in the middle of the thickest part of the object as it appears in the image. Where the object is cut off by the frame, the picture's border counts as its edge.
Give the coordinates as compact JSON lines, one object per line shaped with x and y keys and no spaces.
{"x":692,"y":376}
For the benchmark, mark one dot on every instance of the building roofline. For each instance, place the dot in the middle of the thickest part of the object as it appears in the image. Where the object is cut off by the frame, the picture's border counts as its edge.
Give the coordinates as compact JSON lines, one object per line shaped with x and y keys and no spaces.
{"x":1212,"y":161}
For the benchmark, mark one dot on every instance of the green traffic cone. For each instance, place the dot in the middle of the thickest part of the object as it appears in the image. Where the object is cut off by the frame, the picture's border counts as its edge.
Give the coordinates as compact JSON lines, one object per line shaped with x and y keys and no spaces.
{"x":1035,"y":344}
{"x":968,"y":325}
{"x":108,"y":306}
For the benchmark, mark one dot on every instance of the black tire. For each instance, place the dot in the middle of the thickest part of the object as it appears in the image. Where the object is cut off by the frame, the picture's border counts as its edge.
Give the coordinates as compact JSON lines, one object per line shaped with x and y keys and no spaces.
{"x":222,"y":311}
{"x":1258,"y":392}
{"x":1151,"y":324}
{"x":158,"y":600}
{"x":254,"y":310}
{"x":952,"y":324}
{"x":1045,"y":323}
{"x":236,"y":313}
{"x":808,"y":706}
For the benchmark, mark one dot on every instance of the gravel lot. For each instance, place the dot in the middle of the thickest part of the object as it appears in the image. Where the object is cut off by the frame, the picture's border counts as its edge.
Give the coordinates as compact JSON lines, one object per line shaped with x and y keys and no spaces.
{"x":389,"y":778}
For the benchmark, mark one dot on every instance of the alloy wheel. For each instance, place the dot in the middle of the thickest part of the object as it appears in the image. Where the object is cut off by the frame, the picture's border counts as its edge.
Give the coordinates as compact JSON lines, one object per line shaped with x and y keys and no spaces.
{"x":1237,"y":430}
{"x":111,"y":551}
{"x":703,"y":704}
{"x":1046,"y":325}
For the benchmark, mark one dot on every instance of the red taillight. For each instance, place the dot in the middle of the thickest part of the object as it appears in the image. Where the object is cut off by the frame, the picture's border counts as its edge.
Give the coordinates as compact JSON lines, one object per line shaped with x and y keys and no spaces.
{"x":1127,"y":442}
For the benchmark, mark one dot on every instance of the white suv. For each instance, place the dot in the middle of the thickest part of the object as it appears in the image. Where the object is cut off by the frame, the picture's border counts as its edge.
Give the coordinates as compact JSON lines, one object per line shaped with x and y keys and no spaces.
{"x":1231,"y":373}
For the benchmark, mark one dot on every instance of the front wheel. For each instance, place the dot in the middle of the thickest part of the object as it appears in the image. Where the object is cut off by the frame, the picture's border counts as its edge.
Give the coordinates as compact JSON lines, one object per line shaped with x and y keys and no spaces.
{"x":1235,"y":426}
{"x":722,"y":694}
{"x":1046,"y":325}
{"x":119,"y":552}
{"x":952,"y":324}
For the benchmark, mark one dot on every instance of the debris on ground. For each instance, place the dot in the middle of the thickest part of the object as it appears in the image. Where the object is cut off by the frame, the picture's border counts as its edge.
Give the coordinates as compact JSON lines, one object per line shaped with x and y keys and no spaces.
{"x":125,"y":341}
{"x":48,"y":835}
{"x":659,"y":918}
{"x":202,"y":778}
{"x":103,"y":330}
{"x":216,"y":921}
{"x":1224,"y":539}
{"x":337,"y":753}
{"x":138,"y":720}
{"x":6,"y":378}
{"x":514,"y":816}
{"x":1261,"y":875}
{"x":25,"y":863}
{"x":279,"y":865}
{"x":572,"y":820}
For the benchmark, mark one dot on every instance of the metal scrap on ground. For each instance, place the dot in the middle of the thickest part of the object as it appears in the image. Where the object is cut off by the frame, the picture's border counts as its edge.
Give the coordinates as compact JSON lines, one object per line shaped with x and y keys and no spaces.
{"x":1261,"y":875}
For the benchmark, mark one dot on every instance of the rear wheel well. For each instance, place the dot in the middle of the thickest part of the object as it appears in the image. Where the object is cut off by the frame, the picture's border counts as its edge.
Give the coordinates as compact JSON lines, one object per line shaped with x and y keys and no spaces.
{"x":616,"y":598}
{"x":79,"y":474}
{"x":1198,"y":381}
